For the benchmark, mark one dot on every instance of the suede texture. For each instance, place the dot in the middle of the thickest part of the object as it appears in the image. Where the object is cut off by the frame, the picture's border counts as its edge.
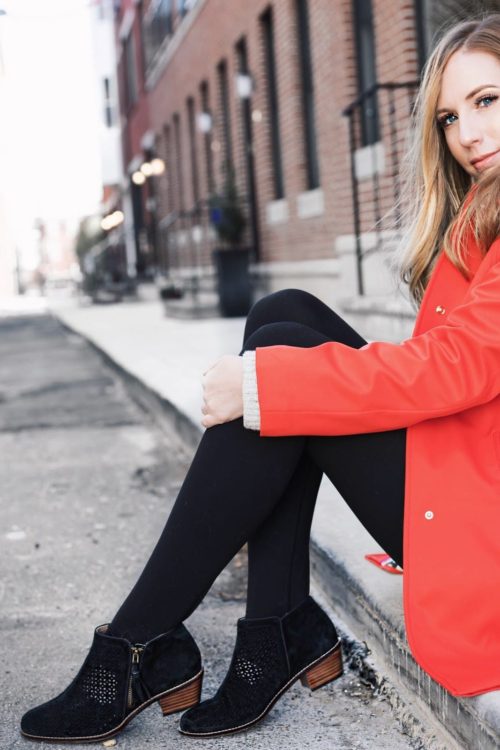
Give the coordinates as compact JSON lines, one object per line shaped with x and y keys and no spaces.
{"x":309,"y":633}
{"x":97,"y":699}
{"x":169,"y":660}
{"x":259,"y":667}
{"x":268,"y":653}
{"x":94,"y":702}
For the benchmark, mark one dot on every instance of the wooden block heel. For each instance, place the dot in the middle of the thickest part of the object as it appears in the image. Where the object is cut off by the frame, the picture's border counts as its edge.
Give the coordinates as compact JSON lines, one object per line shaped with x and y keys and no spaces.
{"x":183,"y":697}
{"x":324,"y":671}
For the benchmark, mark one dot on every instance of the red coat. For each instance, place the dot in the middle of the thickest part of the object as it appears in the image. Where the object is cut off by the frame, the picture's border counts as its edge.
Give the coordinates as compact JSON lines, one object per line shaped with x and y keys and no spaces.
{"x":443,"y":384}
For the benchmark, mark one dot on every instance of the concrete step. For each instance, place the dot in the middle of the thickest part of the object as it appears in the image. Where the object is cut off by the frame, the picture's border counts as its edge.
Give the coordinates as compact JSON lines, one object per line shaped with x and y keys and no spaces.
{"x":370,"y":602}
{"x":193,"y":306}
{"x":388,"y":317}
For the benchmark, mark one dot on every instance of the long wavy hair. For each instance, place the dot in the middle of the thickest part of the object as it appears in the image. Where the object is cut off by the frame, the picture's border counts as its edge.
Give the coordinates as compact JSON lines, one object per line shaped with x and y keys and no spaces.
{"x":441,"y":202}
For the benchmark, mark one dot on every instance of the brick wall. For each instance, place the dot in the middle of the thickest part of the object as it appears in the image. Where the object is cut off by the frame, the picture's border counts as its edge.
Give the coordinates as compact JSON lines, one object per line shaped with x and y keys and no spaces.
{"x":207,"y":36}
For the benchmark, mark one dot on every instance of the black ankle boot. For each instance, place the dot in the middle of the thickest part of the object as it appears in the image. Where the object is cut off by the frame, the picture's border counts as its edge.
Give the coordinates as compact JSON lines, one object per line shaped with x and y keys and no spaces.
{"x":116,"y":681}
{"x":269,"y":655}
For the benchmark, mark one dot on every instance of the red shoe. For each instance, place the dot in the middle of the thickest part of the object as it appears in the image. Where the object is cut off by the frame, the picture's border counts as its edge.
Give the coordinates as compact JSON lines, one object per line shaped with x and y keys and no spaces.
{"x":384,"y":561}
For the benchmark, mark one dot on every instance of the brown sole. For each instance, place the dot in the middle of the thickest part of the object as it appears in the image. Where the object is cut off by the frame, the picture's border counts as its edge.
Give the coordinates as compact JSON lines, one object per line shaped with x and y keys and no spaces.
{"x":175,"y":699}
{"x":320,"y":672}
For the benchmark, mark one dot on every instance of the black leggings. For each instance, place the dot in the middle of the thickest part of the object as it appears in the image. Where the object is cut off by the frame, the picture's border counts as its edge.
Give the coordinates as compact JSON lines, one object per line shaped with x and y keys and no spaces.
{"x":242,"y":488}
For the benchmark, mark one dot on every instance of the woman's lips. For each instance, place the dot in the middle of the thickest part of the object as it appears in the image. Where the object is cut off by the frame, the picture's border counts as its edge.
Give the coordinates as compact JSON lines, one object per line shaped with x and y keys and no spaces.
{"x":486,"y":161}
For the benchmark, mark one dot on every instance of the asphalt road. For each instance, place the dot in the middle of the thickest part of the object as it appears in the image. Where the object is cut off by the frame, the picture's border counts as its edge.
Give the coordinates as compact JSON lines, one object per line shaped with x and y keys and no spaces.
{"x":87,"y":479}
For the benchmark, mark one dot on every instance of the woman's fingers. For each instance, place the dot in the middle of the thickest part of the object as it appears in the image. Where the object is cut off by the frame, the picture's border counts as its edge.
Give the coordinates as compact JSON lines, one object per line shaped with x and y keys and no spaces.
{"x":210,"y":366}
{"x":209,"y":421}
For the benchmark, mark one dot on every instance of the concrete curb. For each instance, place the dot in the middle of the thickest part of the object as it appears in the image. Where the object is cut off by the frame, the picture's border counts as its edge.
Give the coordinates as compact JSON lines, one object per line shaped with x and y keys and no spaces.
{"x":472,"y":722}
{"x":163,"y":411}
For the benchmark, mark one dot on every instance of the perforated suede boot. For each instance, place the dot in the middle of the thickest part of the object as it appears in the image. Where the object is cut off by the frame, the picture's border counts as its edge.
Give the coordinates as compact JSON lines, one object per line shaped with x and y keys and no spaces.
{"x":269,"y":655}
{"x":116,"y":681}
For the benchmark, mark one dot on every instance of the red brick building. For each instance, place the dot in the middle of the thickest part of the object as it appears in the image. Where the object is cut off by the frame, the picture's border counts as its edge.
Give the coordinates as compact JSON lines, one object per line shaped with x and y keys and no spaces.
{"x":262,"y":87}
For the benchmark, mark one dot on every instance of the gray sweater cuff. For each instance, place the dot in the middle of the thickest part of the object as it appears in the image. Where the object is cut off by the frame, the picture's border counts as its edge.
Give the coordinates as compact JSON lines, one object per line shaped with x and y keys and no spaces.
{"x":251,"y":410}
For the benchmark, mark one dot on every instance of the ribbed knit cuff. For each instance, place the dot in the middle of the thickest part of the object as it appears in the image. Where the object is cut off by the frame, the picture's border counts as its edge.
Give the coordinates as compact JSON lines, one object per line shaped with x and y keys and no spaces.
{"x":251,"y":409}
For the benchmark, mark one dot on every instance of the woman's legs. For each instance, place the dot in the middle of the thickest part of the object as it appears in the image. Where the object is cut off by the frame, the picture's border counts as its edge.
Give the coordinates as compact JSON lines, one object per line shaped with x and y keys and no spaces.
{"x":235,"y":480}
{"x":282,"y":621}
{"x":239,"y":487}
{"x":242,"y":487}
{"x":366,"y":469}
{"x":278,"y":552}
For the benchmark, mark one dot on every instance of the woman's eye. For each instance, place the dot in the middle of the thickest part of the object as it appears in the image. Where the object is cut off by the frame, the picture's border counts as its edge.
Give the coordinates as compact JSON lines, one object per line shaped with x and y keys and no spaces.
{"x":444,"y":121}
{"x":484,"y":101}
{"x":488,"y":99}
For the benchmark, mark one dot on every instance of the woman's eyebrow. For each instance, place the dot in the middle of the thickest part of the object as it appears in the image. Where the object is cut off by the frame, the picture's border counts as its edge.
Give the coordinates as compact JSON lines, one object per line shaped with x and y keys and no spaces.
{"x":469,"y":96}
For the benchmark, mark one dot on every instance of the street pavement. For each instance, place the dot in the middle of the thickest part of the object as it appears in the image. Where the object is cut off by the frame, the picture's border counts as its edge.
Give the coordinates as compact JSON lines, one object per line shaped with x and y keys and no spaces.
{"x":87,"y":480}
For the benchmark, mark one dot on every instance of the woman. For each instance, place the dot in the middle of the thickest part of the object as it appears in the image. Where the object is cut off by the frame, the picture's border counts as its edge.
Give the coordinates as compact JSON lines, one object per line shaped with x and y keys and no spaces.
{"x":421,"y":417}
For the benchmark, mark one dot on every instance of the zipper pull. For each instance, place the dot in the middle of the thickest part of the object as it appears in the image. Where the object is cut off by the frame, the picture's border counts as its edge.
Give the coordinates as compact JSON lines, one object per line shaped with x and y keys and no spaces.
{"x":134,"y":681}
{"x":136,"y":654}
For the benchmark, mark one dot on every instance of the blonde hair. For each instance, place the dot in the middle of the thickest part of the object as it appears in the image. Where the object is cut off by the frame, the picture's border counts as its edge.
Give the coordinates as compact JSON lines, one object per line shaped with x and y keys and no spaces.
{"x":441,"y":202}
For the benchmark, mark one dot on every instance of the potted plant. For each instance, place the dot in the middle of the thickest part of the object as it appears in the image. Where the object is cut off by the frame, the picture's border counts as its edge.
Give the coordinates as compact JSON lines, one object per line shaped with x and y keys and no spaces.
{"x":231,"y":258}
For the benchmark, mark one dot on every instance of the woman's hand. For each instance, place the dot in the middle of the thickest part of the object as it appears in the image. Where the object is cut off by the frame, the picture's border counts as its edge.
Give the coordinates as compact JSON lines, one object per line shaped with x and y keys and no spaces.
{"x":223,"y":391}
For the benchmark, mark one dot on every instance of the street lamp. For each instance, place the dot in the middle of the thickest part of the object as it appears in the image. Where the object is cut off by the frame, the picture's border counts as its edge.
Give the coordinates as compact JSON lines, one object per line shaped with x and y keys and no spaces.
{"x":112,"y":220}
{"x":244,"y":85}
{"x":157,"y":166}
{"x":204,"y":122}
{"x":152,"y":167}
{"x":148,"y":168}
{"x":138,"y":178}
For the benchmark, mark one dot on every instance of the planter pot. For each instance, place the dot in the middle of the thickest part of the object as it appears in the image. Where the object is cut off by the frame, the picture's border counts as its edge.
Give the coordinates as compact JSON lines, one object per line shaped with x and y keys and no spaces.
{"x":233,"y":281}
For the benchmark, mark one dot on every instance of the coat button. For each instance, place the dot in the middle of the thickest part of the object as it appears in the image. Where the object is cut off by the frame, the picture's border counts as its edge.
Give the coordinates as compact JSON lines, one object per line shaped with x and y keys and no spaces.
{"x":429,"y":515}
{"x":440,"y":310}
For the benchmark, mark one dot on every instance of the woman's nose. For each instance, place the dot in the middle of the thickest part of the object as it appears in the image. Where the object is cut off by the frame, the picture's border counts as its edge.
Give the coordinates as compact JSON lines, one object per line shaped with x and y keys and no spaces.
{"x":469,"y":130}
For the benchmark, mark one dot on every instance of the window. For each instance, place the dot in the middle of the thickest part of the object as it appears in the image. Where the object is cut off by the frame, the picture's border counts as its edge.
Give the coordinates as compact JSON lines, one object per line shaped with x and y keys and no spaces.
{"x":365,"y":50}
{"x":157,"y":27}
{"x":222,"y":77}
{"x":272,"y":97}
{"x":432,"y":16}
{"x":143,"y":42}
{"x":306,"y":80}
{"x":248,"y":149}
{"x":192,"y":148}
{"x":420,"y":24}
{"x":183,"y":6}
{"x":179,"y":178}
{"x":209,"y":163}
{"x":167,"y":139}
{"x":108,"y":107}
{"x":130,"y":71}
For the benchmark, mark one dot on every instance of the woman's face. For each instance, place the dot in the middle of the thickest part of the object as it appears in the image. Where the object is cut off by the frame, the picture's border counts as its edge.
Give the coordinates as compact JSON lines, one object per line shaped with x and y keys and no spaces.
{"x":468,"y":109}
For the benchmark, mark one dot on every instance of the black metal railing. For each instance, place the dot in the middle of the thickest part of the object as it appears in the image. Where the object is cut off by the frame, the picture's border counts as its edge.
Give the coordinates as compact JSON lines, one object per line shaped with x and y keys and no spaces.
{"x":376,"y":186}
{"x":186,"y":240}
{"x":105,"y":271}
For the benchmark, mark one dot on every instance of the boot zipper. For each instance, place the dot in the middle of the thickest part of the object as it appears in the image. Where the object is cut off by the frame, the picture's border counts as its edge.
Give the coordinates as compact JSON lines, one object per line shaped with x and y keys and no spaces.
{"x":134,"y":671}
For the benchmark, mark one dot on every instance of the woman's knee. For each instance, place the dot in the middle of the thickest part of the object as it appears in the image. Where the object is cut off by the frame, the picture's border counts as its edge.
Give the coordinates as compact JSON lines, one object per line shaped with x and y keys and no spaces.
{"x":286,"y":333}
{"x":283,"y":305}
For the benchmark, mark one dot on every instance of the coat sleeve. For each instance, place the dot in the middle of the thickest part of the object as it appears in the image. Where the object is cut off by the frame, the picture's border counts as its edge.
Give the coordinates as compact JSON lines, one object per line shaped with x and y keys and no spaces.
{"x":333,"y":389}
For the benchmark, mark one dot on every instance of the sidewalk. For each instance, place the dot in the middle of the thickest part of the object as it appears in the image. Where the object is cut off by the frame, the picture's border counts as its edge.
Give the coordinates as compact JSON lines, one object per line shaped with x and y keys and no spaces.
{"x":165,"y":358}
